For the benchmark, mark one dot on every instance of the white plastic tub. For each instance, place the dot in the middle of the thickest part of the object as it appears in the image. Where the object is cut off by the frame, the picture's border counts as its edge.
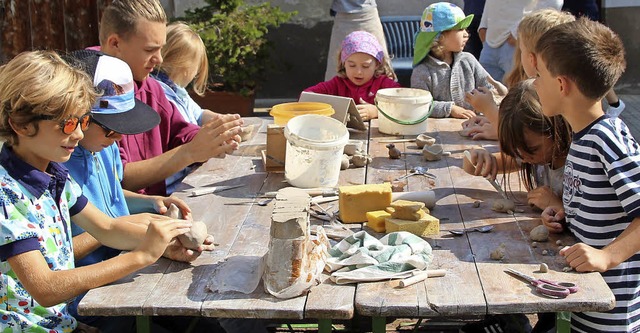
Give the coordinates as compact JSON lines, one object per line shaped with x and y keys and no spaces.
{"x":314,"y":150}
{"x":403,"y":111}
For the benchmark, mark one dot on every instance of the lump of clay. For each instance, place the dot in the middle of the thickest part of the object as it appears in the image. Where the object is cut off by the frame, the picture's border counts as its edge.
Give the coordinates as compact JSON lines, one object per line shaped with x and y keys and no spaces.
{"x":539,"y":234}
{"x":174,"y":212}
{"x":360,"y":160}
{"x":503,"y":206}
{"x":423,"y":140}
{"x":394,"y":153}
{"x":499,"y":253}
{"x":344,"y":163}
{"x":195,"y":237}
{"x":352,"y":147}
{"x":433,"y":152}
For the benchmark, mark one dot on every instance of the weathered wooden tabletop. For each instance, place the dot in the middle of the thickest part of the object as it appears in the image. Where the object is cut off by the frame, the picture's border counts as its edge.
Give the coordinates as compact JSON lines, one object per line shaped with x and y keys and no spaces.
{"x":474,"y":284}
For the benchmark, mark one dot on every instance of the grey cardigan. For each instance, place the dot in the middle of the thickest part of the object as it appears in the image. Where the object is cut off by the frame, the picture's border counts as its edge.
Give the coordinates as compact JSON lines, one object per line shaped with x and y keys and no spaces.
{"x":449,"y":84}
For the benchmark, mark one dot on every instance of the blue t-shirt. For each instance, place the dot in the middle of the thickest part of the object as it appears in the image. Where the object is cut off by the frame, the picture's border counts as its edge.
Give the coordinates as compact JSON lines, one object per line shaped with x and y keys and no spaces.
{"x":36,"y":210}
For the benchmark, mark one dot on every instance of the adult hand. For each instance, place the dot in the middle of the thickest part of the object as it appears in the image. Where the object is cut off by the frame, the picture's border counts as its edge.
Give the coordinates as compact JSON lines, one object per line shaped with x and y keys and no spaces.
{"x":551,"y":218}
{"x":462,"y":113}
{"x":543,"y":197}
{"x":584,"y":258}
{"x":216,"y":138}
{"x":367,"y":111}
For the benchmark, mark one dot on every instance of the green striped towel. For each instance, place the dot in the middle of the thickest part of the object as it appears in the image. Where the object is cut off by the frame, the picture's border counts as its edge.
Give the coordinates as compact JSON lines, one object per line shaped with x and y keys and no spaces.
{"x":362,"y":257}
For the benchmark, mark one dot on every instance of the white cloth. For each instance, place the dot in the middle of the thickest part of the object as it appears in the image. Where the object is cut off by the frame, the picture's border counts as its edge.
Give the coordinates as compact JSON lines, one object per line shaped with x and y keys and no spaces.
{"x":363,"y":258}
{"x":501,"y":18}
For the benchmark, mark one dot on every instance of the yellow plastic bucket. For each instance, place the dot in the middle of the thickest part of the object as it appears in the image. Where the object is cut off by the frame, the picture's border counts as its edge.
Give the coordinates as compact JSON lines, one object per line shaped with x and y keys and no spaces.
{"x":281,"y":113}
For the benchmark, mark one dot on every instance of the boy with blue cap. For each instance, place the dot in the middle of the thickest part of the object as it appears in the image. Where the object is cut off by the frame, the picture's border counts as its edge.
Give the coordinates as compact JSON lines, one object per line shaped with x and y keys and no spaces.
{"x":440,"y":65}
{"x":96,"y":165}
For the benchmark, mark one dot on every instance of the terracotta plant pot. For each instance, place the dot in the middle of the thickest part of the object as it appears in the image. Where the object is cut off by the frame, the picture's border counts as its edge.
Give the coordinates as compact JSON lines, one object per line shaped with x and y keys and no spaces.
{"x":226,"y":102}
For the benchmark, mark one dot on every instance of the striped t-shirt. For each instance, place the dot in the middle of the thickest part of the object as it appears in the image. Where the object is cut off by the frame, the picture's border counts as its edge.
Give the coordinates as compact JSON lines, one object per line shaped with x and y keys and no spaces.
{"x":601,"y":198}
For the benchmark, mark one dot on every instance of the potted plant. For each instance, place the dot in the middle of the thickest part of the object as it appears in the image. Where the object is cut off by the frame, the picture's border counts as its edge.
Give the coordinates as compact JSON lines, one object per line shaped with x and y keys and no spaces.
{"x":234,"y":34}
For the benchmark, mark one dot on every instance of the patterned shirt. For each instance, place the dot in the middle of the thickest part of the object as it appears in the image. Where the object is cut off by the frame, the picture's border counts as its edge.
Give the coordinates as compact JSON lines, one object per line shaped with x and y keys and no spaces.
{"x":36,"y":209}
{"x":601,"y":198}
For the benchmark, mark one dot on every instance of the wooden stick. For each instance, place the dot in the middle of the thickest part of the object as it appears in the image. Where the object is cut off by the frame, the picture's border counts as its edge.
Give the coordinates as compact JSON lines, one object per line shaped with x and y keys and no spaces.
{"x":396,"y":140}
{"x":421,"y":276}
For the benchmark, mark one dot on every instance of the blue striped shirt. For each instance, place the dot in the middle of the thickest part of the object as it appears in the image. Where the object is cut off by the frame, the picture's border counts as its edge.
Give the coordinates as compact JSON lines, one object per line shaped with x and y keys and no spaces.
{"x":601,"y":198}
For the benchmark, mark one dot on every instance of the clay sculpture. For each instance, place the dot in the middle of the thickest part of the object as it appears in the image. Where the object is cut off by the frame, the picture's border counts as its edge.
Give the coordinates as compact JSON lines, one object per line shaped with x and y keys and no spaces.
{"x":433,"y":152}
{"x":503,"y":206}
{"x":394,"y":153}
{"x":423,"y":140}
{"x":539,"y":234}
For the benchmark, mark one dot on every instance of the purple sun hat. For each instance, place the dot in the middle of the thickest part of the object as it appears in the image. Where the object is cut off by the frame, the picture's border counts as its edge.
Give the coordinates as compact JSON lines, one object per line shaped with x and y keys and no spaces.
{"x":363,"y":42}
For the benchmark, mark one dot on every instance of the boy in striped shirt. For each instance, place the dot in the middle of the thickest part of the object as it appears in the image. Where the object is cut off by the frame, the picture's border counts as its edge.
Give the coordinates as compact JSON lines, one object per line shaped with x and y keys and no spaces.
{"x":576,"y":64}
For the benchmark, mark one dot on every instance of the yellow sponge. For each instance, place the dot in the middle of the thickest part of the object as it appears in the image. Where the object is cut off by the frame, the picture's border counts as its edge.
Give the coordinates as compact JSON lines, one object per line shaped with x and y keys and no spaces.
{"x":425,"y":226}
{"x":375,"y":220}
{"x":356,"y":200}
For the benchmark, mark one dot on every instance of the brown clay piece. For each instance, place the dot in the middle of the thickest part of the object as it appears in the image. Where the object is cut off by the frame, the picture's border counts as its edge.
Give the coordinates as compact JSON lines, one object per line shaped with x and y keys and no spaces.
{"x":394,"y":153}
{"x":539,"y":234}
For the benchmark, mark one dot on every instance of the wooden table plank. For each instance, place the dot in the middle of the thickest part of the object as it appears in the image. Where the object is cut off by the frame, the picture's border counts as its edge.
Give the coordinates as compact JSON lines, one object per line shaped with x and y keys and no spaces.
{"x":435,"y":296}
{"x":501,"y":290}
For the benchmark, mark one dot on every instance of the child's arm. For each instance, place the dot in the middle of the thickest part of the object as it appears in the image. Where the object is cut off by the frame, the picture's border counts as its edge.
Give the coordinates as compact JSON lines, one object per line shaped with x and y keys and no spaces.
{"x":327,"y":87}
{"x":584,"y":258}
{"x":482,"y":101}
{"x":421,"y":79}
{"x":543,"y":197}
{"x":139,"y":203}
{"x":49,"y":287}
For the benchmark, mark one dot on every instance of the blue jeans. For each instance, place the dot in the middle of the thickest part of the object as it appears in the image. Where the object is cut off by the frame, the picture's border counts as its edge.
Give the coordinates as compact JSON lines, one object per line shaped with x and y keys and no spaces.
{"x":497,"y":61}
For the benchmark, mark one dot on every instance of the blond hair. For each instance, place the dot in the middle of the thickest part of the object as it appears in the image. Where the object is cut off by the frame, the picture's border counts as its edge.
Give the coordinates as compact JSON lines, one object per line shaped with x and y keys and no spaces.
{"x":535,"y":24}
{"x":38,"y":83}
{"x":121,"y":17}
{"x":185,"y":49}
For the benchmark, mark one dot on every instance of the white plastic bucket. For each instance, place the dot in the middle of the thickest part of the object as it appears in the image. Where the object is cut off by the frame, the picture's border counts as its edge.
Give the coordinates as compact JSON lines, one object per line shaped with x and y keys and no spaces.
{"x":403,"y":111}
{"x":314,"y":150}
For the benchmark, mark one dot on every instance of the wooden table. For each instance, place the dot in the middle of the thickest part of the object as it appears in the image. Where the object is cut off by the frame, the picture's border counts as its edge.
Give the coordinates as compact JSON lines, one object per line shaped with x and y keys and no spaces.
{"x":474,"y":284}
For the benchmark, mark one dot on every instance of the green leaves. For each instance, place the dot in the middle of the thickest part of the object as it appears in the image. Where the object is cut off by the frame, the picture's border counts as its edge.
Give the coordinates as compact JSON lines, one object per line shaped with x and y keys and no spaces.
{"x":235,"y":38}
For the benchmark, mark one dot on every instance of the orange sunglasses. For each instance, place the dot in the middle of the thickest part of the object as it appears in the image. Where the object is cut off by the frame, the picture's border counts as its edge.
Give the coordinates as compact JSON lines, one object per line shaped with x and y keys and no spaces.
{"x":70,"y":124}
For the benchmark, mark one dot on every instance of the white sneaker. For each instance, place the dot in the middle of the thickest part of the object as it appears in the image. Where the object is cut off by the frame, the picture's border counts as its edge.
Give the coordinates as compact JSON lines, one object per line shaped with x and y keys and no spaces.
{"x":614,"y":112}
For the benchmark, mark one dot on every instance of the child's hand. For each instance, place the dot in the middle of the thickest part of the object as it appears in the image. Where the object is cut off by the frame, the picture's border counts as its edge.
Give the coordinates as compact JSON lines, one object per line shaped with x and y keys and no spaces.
{"x":160,"y":234}
{"x":462,"y":113}
{"x":551,"y":218}
{"x":584,"y":258}
{"x":161,"y":204}
{"x":176,"y":251}
{"x":481,"y":99}
{"x":367,"y":111}
{"x":543,"y":197}
{"x":482,"y":163}
{"x":475,"y":121}
{"x":484,"y":132}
